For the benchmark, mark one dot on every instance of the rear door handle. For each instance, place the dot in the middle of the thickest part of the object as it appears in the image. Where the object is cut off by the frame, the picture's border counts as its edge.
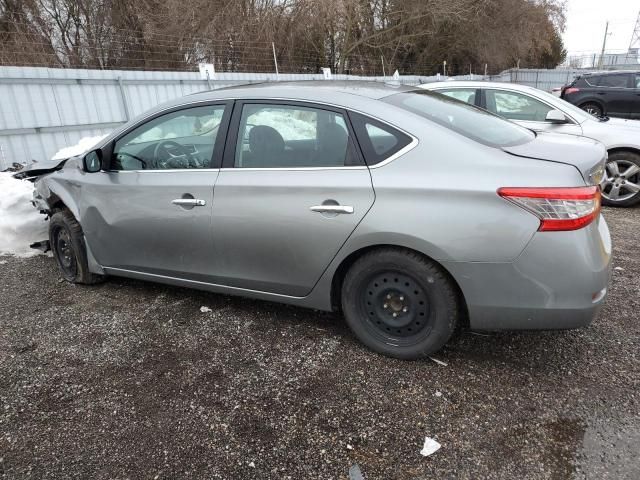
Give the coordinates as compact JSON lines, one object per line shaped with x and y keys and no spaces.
{"x":332,"y":208}
{"x":189,"y":202}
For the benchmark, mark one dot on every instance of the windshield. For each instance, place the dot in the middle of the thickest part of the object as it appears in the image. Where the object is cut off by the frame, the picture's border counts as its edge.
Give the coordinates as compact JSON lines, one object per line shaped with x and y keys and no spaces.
{"x":465,"y":119}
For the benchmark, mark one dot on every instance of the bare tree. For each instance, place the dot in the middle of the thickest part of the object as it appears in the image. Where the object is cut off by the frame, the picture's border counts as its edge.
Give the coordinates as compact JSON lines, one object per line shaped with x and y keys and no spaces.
{"x":356,"y":36}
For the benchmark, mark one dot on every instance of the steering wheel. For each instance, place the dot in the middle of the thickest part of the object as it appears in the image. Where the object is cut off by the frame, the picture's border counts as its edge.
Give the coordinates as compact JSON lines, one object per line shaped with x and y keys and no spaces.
{"x":164,"y":158}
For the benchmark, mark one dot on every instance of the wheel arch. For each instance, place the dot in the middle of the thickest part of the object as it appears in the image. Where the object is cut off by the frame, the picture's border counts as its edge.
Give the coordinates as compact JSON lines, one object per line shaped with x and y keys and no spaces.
{"x":623,"y":149}
{"x":346,"y":263}
{"x":597,"y":101}
{"x":58,"y":198}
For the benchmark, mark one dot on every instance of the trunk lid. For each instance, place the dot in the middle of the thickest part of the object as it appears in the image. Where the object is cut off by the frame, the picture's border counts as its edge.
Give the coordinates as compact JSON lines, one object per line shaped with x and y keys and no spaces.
{"x":586,"y":154}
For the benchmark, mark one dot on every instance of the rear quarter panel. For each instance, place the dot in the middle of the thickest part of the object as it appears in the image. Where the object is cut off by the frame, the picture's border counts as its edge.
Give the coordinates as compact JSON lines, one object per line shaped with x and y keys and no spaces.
{"x":442,"y":195}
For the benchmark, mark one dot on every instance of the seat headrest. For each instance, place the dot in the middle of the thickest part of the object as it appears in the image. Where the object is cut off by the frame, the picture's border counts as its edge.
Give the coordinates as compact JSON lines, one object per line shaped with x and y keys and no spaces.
{"x":264,"y":139}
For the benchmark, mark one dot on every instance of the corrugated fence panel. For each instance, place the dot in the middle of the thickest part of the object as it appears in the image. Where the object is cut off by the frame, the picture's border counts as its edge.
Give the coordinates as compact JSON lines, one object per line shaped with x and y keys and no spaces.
{"x":43,"y":109}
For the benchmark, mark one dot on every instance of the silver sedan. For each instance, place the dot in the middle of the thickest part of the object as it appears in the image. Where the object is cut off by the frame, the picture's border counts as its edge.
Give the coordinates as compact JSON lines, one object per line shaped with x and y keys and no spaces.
{"x":412,"y":213}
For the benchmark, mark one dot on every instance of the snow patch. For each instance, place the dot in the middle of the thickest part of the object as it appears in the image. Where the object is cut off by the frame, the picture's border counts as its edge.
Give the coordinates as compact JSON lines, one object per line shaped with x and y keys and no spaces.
{"x":84,"y":145}
{"x":20,"y":223}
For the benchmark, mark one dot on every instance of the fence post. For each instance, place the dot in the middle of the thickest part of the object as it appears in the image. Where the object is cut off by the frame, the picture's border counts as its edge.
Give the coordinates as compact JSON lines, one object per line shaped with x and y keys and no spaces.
{"x":537,"y":73}
{"x":275,"y":60}
{"x":125,"y":104}
{"x":3,"y":164}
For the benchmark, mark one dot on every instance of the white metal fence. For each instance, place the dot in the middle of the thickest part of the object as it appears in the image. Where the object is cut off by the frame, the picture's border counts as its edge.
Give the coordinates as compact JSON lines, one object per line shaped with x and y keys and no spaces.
{"x":43,"y":109}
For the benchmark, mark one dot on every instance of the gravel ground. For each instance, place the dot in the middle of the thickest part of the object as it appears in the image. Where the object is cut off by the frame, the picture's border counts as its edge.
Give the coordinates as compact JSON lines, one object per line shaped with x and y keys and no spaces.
{"x":131,"y":380}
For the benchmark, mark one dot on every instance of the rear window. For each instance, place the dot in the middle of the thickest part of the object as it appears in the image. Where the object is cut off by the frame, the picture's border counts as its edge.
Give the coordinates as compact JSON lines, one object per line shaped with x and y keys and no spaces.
{"x":615,"y":81}
{"x":462,"y":118}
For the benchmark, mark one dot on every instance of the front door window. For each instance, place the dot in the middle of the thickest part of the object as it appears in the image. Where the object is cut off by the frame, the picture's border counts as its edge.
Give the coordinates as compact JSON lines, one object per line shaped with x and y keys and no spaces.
{"x":183,"y":139}
{"x":516,"y":106}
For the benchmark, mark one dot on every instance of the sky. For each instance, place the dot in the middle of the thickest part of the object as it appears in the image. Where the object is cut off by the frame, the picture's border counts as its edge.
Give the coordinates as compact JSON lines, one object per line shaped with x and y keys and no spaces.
{"x":586,"y":20}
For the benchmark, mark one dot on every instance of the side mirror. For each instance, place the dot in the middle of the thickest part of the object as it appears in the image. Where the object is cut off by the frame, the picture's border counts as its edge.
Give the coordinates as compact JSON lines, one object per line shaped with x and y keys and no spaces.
{"x":556,"y":116}
{"x":92,"y":161}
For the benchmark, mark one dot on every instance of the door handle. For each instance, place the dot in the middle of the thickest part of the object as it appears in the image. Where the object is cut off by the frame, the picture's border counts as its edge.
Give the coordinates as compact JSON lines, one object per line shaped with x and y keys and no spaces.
{"x":332,"y":208}
{"x":189,"y":202}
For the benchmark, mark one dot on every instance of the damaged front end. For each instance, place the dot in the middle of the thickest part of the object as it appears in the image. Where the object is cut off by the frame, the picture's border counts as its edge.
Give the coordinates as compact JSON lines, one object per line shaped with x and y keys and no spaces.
{"x":33,"y":173}
{"x":37,"y":169}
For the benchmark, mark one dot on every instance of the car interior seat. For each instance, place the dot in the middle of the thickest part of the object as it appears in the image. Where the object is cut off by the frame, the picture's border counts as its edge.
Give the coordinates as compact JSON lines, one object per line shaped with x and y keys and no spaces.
{"x":332,"y":144}
{"x":266,"y":148}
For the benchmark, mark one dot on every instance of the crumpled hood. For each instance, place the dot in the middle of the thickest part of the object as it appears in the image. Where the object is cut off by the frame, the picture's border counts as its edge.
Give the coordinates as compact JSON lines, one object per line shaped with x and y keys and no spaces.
{"x":35,"y":169}
{"x":581,"y":152}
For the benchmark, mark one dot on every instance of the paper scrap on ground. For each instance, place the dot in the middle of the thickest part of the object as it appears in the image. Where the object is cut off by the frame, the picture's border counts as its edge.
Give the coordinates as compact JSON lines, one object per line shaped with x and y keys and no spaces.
{"x":439,"y":362}
{"x":430,"y":447}
{"x":205,"y":309}
{"x":355,"y":473}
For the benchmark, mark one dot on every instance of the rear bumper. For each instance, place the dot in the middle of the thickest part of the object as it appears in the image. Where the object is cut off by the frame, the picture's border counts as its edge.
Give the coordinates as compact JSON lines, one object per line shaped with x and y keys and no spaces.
{"x":559,"y":281}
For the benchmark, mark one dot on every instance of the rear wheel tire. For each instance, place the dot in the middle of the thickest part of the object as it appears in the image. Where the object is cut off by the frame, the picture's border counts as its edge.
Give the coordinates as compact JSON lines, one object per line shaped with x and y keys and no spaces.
{"x":399,"y":303}
{"x":592,"y":108}
{"x":621,"y":184}
{"x":67,"y":244}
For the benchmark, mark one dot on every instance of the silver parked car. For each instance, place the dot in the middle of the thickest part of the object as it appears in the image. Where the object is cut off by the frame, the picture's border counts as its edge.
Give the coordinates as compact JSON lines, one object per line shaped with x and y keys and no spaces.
{"x":411,"y":212}
{"x":543,"y":111}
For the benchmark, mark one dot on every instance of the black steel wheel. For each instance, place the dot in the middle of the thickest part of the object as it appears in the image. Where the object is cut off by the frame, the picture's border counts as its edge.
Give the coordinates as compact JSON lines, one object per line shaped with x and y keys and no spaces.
{"x":399,"y":303}
{"x":396,"y":307}
{"x":69,"y":250}
{"x":64,"y":252}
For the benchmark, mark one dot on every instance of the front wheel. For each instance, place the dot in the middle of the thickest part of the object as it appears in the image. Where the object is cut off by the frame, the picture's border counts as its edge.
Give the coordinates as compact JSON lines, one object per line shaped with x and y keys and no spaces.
{"x":399,"y":303}
{"x":593,"y":109}
{"x":67,"y":244}
{"x":621,"y":183}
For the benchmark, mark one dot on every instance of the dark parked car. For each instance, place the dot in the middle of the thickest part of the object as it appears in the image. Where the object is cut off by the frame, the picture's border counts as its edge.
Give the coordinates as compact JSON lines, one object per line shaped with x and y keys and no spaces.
{"x":615,"y":94}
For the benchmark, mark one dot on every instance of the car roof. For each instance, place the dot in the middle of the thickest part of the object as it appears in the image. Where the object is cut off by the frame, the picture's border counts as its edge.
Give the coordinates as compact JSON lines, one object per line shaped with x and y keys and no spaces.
{"x":344,"y":93}
{"x":310,"y":89}
{"x":477,"y":84}
{"x":608,"y":72}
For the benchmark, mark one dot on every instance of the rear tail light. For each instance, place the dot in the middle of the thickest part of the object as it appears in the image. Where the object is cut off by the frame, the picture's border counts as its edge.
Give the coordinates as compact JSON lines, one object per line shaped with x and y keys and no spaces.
{"x":559,"y":209}
{"x":570,"y":90}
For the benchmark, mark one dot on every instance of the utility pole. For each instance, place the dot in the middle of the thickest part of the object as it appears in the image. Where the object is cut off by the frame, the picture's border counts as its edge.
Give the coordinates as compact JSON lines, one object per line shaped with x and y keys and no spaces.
{"x":635,"y":38}
{"x":634,"y":46}
{"x":604,"y":46}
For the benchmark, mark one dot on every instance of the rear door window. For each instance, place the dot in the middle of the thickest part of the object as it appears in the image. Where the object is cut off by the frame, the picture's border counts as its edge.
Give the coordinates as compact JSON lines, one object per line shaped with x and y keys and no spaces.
{"x":611,"y":81}
{"x":378,"y":141}
{"x":292,"y":136}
